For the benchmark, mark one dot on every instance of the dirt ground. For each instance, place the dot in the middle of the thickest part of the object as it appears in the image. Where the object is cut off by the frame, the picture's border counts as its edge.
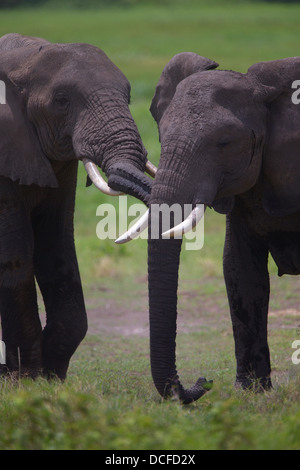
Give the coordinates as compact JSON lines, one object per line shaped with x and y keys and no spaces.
{"x":197,"y":311}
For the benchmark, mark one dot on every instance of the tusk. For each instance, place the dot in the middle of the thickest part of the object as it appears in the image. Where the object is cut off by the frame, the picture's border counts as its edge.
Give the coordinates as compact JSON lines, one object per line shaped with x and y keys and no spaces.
{"x":151,"y":169}
{"x":135,"y":230}
{"x":99,"y":182}
{"x":188,"y":224}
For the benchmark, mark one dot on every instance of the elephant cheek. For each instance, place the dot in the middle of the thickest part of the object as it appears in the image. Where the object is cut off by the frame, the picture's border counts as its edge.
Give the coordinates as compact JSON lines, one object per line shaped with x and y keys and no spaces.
{"x":224,"y":205}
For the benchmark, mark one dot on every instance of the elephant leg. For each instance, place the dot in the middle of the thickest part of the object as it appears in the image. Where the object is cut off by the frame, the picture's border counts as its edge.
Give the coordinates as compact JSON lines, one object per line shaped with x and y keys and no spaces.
{"x":247,"y":282}
{"x":58,"y":277}
{"x":20,"y":323}
{"x":21,"y":329}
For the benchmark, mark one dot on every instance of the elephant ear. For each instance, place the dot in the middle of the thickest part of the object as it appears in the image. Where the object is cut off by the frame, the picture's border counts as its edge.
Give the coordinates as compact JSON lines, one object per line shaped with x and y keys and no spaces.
{"x":21,"y":157}
{"x":180,"y":66}
{"x":281,"y":160}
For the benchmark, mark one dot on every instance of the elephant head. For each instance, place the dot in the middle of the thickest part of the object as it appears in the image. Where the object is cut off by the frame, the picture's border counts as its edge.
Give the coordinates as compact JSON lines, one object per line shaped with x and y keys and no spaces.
{"x":221,"y":133}
{"x":65,"y":102}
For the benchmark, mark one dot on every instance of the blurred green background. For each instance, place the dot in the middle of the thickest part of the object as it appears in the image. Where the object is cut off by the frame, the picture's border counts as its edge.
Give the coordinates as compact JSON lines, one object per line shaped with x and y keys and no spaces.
{"x":109,"y":401}
{"x":141,"y":37}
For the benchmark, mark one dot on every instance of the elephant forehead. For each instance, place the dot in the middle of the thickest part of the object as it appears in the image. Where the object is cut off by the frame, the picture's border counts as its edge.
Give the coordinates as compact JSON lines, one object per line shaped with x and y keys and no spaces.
{"x":79,"y":62}
{"x":81,"y":53}
{"x":210,"y":86}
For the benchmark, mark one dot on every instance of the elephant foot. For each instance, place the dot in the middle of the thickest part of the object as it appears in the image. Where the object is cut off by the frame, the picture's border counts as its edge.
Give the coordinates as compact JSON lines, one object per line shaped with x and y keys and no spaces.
{"x":53,"y":376}
{"x":254,"y":384}
{"x":3,"y":370}
{"x":16,"y":374}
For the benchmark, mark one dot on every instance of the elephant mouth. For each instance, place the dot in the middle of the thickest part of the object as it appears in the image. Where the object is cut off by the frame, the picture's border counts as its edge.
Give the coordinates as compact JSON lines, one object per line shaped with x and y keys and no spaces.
{"x":122,"y":179}
{"x":223,"y":205}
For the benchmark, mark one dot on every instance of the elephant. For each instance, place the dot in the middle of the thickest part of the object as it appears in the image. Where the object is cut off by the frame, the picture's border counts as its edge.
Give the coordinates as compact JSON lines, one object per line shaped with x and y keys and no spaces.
{"x":229,"y":141}
{"x":64,"y":103}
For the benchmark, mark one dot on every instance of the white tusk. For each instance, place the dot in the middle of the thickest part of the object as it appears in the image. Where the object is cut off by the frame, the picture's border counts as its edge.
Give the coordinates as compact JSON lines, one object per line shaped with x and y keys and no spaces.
{"x":188,"y":224}
{"x":151,"y":169}
{"x":135,"y":230}
{"x":99,"y":182}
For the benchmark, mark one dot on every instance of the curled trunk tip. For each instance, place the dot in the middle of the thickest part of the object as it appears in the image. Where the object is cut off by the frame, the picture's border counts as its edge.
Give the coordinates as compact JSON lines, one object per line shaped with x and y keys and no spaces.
{"x":176,"y":391}
{"x":187,"y":396}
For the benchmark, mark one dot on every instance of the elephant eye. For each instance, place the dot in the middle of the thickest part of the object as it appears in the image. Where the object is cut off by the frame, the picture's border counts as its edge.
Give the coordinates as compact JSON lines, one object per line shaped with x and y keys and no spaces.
{"x":61,"y":101}
{"x":223,"y":142}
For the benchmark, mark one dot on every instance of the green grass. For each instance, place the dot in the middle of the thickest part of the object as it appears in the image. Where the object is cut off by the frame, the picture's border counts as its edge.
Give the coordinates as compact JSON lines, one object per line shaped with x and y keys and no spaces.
{"x":108,"y":400}
{"x":109,"y":403}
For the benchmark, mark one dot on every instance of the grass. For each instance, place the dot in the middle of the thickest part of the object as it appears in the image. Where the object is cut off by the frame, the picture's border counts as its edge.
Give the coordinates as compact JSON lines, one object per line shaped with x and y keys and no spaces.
{"x":101,"y":408}
{"x":109,"y":401}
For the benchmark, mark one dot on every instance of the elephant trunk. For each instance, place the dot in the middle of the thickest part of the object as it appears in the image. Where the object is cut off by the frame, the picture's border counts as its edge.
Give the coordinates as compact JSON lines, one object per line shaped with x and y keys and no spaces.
{"x":163,"y":267}
{"x":124,"y":162}
{"x":109,"y":138}
{"x":130,"y":180}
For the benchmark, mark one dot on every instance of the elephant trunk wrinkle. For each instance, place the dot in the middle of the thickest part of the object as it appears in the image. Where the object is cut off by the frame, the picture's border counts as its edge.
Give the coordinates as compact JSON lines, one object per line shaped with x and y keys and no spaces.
{"x":125,"y":177}
{"x":106,"y":133}
{"x":117,"y":149}
{"x":124,"y":145}
{"x":163,"y":266}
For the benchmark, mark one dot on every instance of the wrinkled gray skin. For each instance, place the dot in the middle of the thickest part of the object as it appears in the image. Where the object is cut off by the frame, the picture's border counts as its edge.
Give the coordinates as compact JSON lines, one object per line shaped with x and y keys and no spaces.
{"x":230,"y":141}
{"x":64,"y":102}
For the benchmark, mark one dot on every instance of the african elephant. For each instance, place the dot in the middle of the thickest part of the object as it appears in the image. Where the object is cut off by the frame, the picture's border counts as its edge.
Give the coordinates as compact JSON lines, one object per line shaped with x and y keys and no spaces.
{"x":64,"y":103}
{"x":230,"y":141}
